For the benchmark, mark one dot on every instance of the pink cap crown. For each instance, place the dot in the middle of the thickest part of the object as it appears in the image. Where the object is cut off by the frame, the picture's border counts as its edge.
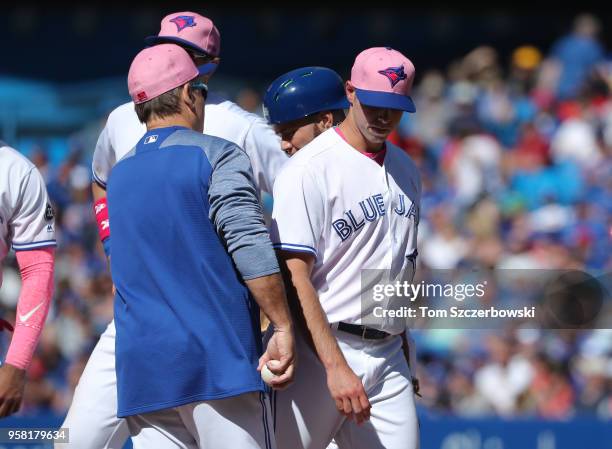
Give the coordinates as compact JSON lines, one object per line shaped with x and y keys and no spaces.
{"x":159,"y":69}
{"x":383,"y":78}
{"x":190,"y":30}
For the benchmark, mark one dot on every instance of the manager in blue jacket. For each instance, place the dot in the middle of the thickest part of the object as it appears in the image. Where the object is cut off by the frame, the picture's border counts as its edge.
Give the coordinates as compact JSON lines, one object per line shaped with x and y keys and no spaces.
{"x":191,"y":262}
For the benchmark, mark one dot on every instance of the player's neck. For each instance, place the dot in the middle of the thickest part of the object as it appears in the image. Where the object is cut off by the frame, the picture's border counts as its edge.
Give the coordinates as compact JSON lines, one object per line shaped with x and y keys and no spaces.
{"x":355,"y":139}
{"x":166,"y":122}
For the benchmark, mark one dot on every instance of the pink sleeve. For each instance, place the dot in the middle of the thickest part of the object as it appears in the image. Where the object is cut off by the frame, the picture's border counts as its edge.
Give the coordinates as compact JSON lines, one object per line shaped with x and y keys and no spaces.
{"x":36,"y":268}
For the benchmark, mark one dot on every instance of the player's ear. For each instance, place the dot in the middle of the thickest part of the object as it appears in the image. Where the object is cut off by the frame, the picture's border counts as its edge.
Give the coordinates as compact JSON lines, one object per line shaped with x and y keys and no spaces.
{"x":350,"y":92}
{"x":185,"y":94}
{"x":325,"y":121}
{"x":188,"y":97}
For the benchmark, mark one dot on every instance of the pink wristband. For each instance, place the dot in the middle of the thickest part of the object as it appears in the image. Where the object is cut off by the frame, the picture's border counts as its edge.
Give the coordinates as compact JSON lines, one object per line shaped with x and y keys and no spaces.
{"x":101,"y":212}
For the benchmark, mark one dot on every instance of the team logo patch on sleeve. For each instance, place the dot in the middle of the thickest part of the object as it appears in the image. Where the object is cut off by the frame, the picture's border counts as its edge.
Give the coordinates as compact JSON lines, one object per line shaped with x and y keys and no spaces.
{"x":183,"y":22}
{"x":394,"y":74}
{"x":49,"y":213}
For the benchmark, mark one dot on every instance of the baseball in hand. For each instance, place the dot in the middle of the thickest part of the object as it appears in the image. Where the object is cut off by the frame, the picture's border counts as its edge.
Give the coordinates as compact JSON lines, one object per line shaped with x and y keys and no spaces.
{"x":266,"y":374}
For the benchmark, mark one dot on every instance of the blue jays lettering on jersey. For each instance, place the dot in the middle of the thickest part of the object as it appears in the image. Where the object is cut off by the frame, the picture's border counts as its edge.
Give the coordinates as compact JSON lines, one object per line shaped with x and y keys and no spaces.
{"x":369,"y":210}
{"x":185,"y":319}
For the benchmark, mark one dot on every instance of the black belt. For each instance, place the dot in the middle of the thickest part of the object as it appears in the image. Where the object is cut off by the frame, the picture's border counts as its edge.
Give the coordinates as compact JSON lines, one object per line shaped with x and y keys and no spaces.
{"x":364,"y":332}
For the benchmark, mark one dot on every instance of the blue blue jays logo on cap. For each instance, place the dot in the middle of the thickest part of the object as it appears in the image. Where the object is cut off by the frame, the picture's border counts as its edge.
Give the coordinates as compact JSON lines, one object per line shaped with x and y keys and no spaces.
{"x":183,"y":22}
{"x":395,"y":74}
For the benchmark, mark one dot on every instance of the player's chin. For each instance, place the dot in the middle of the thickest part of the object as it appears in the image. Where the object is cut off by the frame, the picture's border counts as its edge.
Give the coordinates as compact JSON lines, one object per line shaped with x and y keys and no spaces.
{"x":377,"y":139}
{"x":378,"y":135}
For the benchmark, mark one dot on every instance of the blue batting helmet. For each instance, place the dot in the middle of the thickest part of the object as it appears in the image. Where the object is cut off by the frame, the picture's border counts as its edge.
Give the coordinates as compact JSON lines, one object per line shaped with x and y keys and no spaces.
{"x":302,"y":92}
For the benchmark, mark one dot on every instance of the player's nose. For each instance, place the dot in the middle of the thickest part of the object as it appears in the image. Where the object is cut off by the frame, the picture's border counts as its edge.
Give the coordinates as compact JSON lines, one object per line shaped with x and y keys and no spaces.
{"x":384,"y":116}
{"x":287,"y":147}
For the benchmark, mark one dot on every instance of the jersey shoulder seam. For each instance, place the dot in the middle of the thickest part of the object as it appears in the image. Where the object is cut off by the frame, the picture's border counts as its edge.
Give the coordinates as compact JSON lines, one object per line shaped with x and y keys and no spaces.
{"x":203,"y":140}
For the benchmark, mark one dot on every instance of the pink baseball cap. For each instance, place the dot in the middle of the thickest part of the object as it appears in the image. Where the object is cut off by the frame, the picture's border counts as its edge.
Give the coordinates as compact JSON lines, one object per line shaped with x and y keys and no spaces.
{"x":191,"y":31}
{"x":383,"y":78}
{"x":159,"y":69}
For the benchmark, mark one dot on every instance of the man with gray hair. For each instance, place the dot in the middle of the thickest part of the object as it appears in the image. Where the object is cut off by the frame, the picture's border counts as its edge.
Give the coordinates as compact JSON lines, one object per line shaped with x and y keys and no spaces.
{"x":190,"y":254}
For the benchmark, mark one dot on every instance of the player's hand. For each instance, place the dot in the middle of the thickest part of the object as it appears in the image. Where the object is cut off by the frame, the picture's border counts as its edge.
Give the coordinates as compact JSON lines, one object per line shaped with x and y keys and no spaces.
{"x":281,"y":347}
{"x":12,"y":383}
{"x":416,"y":386}
{"x":348,"y":392}
{"x":6,"y":325}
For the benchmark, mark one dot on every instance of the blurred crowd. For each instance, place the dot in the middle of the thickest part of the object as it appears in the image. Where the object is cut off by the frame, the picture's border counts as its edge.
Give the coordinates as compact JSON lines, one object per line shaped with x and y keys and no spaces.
{"x":516,"y":162}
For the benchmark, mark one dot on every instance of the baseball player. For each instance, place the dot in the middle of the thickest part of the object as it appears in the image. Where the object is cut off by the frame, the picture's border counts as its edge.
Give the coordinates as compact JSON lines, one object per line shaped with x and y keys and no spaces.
{"x":187,"y":271}
{"x":92,"y":418}
{"x":346,"y":202}
{"x":303,"y":103}
{"x":26,"y":225}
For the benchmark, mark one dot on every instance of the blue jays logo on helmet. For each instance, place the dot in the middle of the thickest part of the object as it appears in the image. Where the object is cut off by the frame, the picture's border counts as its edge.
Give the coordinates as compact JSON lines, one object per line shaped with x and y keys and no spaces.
{"x":183,"y":22}
{"x":395,"y":74}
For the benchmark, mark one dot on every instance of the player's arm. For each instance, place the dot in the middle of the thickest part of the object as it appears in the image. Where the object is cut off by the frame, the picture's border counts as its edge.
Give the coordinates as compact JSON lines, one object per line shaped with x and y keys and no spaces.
{"x":33,"y":241}
{"x":102,"y":163}
{"x":297,"y":226}
{"x":269,"y":293}
{"x":409,"y":349}
{"x":100,"y":207}
{"x":408,"y":343}
{"x":345,"y":387}
{"x":36,"y":267}
{"x":236,"y":212}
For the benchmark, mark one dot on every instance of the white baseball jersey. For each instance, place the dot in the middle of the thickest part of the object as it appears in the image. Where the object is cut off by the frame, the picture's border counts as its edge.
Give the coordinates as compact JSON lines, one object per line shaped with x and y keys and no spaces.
{"x":351,"y":214}
{"x":222,"y":119}
{"x":26,"y":217}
